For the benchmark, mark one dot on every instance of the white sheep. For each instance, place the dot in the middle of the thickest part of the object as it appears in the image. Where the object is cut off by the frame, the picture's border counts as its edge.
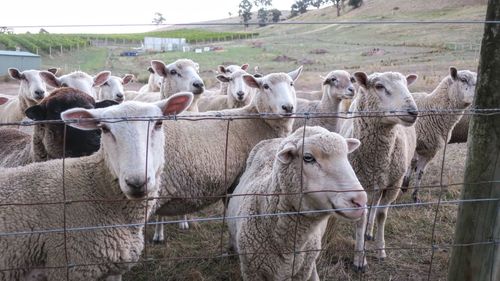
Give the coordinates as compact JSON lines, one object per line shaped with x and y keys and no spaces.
{"x":337,"y":86}
{"x":179,"y":76}
{"x":267,"y":246}
{"x":238,"y":93}
{"x":154,"y":82}
{"x":455,"y":92}
{"x":198,"y":176}
{"x":112,"y":89}
{"x":228,"y":70}
{"x":77,"y":80}
{"x":112,"y":183}
{"x":32,"y":89}
{"x":383,"y":118}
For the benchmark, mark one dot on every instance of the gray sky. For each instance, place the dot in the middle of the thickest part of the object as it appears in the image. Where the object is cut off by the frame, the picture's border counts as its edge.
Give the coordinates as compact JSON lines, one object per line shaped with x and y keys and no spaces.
{"x":68,"y":12}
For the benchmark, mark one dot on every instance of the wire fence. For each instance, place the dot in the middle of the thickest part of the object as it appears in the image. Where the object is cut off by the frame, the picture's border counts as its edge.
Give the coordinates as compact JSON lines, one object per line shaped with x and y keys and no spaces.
{"x":70,"y":231}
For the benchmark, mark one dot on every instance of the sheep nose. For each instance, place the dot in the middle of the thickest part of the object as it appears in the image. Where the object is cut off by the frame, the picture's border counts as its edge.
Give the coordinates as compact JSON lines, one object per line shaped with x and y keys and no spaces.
{"x":137,"y":184}
{"x":413,"y":112}
{"x":350,"y":89}
{"x":359,"y":200}
{"x":39,"y":94}
{"x":287,"y":108}
{"x":198,"y":84}
{"x":119,"y":95}
{"x":240,"y":94}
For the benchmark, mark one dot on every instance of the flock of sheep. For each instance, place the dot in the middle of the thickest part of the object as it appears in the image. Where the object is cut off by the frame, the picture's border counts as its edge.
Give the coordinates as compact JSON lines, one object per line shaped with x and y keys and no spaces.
{"x":78,"y":186}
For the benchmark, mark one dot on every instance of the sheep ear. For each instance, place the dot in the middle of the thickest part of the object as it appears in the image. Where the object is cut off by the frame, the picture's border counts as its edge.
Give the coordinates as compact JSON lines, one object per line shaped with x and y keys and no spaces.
{"x":296,"y":73}
{"x":53,"y":70}
{"x":36,"y":112}
{"x":159,"y":68}
{"x":245,"y":66}
{"x":101,"y":78}
{"x":453,"y":73}
{"x":15,"y":74}
{"x":50,"y":79}
{"x":80,"y":118}
{"x":151,"y":70}
{"x":176,"y":104}
{"x":127,"y":78}
{"x":222,"y":78}
{"x":221,"y":69}
{"x":410,"y":79}
{"x":105,"y":103}
{"x":285,"y":156}
{"x":251,"y":81}
{"x":3,"y":100}
{"x":361,"y":78}
{"x":352,"y":144}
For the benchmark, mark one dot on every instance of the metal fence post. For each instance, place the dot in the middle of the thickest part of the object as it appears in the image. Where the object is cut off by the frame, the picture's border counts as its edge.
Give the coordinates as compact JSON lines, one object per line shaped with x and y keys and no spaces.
{"x":480,"y":221}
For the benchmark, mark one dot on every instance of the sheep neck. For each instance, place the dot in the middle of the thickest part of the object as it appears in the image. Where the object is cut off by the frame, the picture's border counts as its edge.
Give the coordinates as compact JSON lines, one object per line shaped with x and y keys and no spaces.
{"x":440,"y":99}
{"x":329,"y":104}
{"x":168,"y":88}
{"x":305,"y":224}
{"x":379,"y":141}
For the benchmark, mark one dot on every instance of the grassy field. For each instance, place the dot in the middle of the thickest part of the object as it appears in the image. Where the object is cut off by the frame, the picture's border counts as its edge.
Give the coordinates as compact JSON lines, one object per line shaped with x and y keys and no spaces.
{"x":427,"y":50}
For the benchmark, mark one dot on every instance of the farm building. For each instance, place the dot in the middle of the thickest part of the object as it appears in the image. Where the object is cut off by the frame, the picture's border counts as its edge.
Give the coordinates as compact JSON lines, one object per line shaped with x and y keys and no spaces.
{"x":19,"y":60}
{"x":164,"y":44}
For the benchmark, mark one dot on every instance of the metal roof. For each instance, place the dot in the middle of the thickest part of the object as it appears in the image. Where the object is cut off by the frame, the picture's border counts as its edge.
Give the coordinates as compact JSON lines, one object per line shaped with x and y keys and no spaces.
{"x":17,"y":54}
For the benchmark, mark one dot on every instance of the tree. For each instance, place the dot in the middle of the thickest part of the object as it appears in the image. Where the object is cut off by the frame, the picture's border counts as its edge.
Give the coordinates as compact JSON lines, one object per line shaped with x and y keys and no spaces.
{"x":6,"y":30}
{"x":299,"y":7}
{"x":158,"y":18}
{"x":262,"y":3}
{"x":245,"y":11}
{"x":262,"y":16}
{"x":317,"y":3}
{"x":477,"y":222}
{"x":355,"y":3}
{"x":275,"y":15}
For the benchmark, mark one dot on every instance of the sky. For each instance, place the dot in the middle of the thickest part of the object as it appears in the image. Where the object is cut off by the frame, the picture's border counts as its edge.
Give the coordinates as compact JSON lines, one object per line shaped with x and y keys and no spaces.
{"x":67,"y":12}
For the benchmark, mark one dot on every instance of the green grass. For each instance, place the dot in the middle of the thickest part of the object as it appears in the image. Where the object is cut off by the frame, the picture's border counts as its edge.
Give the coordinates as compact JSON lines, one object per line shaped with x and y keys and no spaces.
{"x":43,"y":42}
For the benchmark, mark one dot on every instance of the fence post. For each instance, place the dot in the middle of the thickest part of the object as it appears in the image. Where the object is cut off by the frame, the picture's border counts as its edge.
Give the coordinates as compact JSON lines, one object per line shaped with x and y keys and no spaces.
{"x":480,"y":221}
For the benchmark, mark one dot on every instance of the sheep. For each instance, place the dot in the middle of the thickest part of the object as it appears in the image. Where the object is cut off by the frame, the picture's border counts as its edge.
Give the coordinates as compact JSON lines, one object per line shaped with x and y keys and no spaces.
{"x":454,"y":92}
{"x":267,"y":246}
{"x":238,"y":93}
{"x":388,"y":142}
{"x":190,"y":185}
{"x":48,"y":140}
{"x":460,"y":132}
{"x":115,"y":173}
{"x":181,"y":75}
{"x":112,"y":89}
{"x":154,"y":82}
{"x":77,"y":80}
{"x":32,"y":89}
{"x":337,"y":86}
{"x":228,"y":70}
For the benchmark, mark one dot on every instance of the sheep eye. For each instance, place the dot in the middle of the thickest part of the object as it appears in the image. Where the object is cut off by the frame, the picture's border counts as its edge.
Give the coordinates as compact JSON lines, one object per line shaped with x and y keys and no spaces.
{"x":291,"y":84}
{"x":64,"y":85}
{"x":158,"y":125}
{"x":308,"y":158}
{"x":463,"y":80}
{"x":104,"y":128}
{"x":266,"y":86}
{"x":379,"y":87}
{"x":173,"y":72}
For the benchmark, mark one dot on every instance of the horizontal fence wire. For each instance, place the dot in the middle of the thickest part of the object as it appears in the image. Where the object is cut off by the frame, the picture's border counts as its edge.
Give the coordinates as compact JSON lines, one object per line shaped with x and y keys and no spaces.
{"x":343,"y":22}
{"x":200,"y":117}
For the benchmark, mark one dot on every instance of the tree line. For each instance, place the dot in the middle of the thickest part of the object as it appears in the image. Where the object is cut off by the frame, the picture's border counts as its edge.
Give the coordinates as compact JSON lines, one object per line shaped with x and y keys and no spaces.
{"x":266,"y":14}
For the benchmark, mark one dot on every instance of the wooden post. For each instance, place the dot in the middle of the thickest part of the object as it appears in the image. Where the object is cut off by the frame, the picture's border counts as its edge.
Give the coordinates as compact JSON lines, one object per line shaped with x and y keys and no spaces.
{"x":476,"y":255}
